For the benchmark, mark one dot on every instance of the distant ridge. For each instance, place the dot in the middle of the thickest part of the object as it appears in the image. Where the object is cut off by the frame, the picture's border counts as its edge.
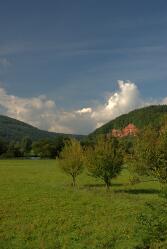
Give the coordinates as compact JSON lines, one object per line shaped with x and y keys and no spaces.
{"x":147,"y":116}
{"x":12,"y":129}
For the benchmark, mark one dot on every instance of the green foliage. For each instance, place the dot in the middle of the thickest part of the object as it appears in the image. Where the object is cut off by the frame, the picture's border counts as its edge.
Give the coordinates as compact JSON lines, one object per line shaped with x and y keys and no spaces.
{"x":151,"y":228}
{"x":13,"y":150}
{"x":127,"y":144}
{"x":25,"y":145}
{"x":87,"y":142}
{"x":18,"y":139}
{"x":15,"y":130}
{"x":164,"y":191}
{"x":12,"y":129}
{"x":47,"y":148}
{"x":143,"y":158}
{"x":3,"y":146}
{"x":147,"y":116}
{"x":161,"y":151}
{"x":71,"y":159}
{"x":134,"y":179}
{"x":105,"y":160}
{"x":150,"y":155}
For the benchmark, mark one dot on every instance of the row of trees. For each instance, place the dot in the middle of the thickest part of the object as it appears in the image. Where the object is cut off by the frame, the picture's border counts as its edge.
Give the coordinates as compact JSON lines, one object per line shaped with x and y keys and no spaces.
{"x":143,"y":155}
{"x":104,"y":160}
{"x":45,"y":148}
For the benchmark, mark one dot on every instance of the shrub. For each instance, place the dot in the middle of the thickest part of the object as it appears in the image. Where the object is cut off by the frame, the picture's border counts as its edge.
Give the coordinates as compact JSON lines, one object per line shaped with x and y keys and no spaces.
{"x":151,"y":230}
{"x":105,"y":160}
{"x":71,"y":159}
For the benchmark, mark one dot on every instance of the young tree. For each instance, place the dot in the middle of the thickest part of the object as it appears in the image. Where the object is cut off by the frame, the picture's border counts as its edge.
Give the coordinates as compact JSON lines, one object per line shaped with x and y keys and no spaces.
{"x":143,"y":157}
{"x":105,"y":160}
{"x":161,"y":163}
{"x":150,"y":156}
{"x":150,"y":230}
{"x":71,"y":159}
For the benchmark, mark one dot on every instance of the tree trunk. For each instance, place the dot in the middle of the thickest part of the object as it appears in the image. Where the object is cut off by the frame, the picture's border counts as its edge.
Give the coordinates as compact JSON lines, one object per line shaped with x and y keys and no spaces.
{"x":107,"y":182}
{"x":108,"y":186}
{"x":73,"y":181}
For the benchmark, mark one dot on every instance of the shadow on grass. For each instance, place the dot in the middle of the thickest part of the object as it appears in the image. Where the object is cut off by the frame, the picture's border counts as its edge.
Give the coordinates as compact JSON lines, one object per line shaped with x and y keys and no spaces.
{"x":138,"y":191}
{"x":101,"y":185}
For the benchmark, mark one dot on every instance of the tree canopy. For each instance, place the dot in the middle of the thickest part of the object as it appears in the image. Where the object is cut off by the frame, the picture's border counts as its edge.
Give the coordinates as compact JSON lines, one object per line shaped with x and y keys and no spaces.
{"x":105,"y":159}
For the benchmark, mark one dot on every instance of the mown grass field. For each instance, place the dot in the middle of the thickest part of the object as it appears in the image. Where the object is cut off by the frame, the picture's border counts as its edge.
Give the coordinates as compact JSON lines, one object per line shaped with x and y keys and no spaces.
{"x":40,"y":209}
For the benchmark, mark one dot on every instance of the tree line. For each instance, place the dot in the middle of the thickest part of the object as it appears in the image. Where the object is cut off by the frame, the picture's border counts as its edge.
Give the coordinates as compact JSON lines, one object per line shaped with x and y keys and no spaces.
{"x":143,"y":117}
{"x":26,"y":148}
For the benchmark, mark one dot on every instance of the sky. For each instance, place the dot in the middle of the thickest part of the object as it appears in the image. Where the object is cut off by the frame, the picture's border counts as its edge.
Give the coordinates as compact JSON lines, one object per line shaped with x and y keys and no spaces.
{"x":71,"y":66}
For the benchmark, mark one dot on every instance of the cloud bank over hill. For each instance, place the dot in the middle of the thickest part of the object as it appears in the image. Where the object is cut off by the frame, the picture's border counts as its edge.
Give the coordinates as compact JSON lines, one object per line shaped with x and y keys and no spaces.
{"x":43,"y":112}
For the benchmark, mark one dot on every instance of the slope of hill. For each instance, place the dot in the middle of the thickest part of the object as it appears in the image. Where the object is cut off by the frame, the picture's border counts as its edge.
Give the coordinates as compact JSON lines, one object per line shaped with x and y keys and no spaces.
{"x":151,"y":115}
{"x":12,"y":129}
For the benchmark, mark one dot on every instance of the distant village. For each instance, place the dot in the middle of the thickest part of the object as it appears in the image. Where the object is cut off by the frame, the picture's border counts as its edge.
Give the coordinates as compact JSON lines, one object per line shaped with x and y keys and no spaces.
{"x":129,"y":130}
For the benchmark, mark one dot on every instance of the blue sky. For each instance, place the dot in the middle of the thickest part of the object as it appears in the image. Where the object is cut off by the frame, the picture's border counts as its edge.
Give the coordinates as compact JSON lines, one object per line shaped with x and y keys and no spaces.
{"x":74,"y":51}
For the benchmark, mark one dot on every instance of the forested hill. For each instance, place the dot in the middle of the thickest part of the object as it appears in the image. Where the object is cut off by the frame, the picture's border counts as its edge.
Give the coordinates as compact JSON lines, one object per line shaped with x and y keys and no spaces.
{"x":12,"y":129}
{"x":147,"y":116}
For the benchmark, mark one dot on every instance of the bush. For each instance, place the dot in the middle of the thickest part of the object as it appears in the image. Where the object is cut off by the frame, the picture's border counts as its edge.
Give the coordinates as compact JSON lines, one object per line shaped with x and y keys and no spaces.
{"x":71,"y":159}
{"x":105,"y":160}
{"x":151,"y":229}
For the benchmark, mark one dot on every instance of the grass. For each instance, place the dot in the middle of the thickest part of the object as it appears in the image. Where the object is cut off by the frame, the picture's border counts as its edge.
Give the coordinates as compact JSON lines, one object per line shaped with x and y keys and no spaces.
{"x":40,"y":209}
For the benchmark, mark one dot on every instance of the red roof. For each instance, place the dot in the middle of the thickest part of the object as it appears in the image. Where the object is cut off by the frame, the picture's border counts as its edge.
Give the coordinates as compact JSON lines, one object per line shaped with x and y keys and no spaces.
{"x":130,"y":129}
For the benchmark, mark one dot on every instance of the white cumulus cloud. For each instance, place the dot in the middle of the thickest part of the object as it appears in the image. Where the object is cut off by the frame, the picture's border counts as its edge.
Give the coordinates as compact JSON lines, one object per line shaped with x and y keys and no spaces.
{"x":84,"y":110}
{"x":43,"y":112}
{"x":124,"y":100}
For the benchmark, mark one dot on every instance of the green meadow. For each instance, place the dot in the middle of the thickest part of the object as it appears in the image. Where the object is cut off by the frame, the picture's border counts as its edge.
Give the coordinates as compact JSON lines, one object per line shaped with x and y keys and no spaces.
{"x":40,"y":209}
